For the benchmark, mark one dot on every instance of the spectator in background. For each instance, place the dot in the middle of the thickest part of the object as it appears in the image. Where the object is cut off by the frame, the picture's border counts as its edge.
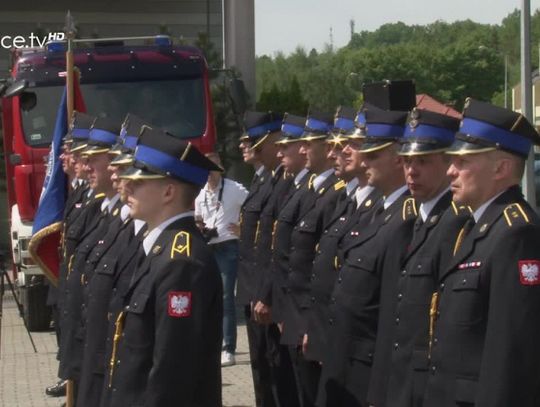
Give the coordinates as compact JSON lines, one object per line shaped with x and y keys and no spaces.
{"x":217,"y":212}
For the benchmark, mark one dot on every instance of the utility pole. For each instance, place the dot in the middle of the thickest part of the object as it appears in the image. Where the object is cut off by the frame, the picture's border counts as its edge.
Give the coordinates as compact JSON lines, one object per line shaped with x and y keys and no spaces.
{"x":526,"y":96}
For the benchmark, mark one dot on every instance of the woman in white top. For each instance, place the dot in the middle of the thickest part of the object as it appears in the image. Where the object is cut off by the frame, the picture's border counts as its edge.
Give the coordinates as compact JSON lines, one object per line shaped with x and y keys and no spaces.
{"x":217,"y":212}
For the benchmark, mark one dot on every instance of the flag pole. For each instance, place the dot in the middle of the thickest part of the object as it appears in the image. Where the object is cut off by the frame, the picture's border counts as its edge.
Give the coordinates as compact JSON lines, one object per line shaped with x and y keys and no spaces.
{"x":70,"y":35}
{"x":70,"y":98}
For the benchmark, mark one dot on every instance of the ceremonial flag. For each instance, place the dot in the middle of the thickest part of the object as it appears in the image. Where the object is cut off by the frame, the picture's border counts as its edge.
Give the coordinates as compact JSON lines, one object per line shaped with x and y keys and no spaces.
{"x":48,"y":222}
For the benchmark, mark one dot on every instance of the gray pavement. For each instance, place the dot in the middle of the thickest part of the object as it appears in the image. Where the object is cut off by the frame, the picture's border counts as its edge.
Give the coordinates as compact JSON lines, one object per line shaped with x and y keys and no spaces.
{"x":25,"y":374}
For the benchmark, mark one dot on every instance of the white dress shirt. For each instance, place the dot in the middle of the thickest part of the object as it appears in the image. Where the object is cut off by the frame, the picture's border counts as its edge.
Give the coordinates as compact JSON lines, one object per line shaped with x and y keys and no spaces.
{"x":220,"y":214}
{"x":362,"y":193}
{"x":319,"y":179}
{"x":427,"y":207}
{"x":480,"y":211}
{"x":390,"y":199}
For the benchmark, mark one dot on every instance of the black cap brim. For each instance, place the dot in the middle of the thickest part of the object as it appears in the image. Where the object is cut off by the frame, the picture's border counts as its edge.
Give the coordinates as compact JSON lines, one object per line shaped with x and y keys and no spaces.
{"x":93,"y":150}
{"x":371,"y":146}
{"x":313,"y":137}
{"x":412,"y":148}
{"x":78,"y":146}
{"x":122,"y":159}
{"x":133,"y":173}
{"x":461,"y":147}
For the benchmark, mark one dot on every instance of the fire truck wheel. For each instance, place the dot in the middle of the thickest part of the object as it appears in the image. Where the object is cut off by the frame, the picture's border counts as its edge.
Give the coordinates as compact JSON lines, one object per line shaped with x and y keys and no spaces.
{"x":36,"y":312}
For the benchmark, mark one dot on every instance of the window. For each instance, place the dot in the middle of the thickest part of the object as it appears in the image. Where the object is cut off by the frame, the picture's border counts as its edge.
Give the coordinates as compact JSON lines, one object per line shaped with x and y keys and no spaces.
{"x":177,"y":106}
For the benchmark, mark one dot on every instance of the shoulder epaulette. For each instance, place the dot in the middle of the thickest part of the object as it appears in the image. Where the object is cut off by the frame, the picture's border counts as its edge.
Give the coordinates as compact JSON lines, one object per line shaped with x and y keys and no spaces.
{"x":339,"y":185}
{"x":99,"y":196}
{"x":409,"y":209}
{"x":181,"y":245}
{"x":514,"y":214}
{"x":460,"y":209}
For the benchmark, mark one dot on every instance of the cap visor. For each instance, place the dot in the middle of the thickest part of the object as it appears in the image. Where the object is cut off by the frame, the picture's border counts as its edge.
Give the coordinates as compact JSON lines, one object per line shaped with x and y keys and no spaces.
{"x":78,"y":146}
{"x":336,"y":139}
{"x":122,"y":159}
{"x":116,"y":149}
{"x":368,"y":147}
{"x":461,"y":147}
{"x":92,"y":150}
{"x":312,"y":136}
{"x":287,"y":140}
{"x":259,"y":141}
{"x":133,"y":173}
{"x":415,"y":148}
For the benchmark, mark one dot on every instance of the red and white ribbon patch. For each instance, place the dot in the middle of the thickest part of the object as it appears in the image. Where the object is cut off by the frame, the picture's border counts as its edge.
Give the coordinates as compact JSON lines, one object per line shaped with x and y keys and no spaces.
{"x":470,"y":265}
{"x":529,"y":272}
{"x":180,"y":304}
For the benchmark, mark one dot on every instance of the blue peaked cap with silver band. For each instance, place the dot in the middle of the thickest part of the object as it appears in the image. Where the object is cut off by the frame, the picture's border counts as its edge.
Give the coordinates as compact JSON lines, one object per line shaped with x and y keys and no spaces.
{"x":383,"y":127}
{"x":343,"y":126}
{"x":103,"y":135}
{"x":79,"y":130}
{"x":318,"y":126}
{"x":344,"y":120}
{"x":259,"y":124}
{"x":292,"y":128}
{"x":486,"y":127}
{"x":259,"y":131}
{"x":428,"y":132}
{"x":160,"y":154}
{"x":129,"y":135}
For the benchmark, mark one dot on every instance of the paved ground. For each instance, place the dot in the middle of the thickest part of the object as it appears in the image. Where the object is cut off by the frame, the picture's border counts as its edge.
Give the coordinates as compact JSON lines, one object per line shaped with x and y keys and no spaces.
{"x":25,"y":374}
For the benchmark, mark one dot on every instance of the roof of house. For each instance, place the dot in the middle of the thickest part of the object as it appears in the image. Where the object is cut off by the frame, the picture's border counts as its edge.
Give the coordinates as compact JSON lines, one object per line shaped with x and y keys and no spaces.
{"x":426,"y":102}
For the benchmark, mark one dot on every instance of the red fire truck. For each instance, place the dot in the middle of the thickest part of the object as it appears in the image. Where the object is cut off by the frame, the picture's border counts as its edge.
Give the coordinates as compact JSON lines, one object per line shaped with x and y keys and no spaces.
{"x":165,"y":84}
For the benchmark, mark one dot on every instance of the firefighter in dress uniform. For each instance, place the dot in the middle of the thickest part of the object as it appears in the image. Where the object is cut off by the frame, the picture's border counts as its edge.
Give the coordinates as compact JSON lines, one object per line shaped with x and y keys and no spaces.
{"x":484,"y":347}
{"x":400,"y":361}
{"x":167,"y":344}
{"x":367,"y":256}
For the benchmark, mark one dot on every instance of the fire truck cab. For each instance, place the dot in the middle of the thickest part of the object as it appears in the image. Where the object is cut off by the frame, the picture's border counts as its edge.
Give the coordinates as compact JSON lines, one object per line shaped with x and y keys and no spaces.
{"x":165,"y":84}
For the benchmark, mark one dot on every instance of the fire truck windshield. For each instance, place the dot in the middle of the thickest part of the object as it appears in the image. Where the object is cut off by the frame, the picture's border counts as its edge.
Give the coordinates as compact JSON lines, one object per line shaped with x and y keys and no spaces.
{"x":177,"y":106}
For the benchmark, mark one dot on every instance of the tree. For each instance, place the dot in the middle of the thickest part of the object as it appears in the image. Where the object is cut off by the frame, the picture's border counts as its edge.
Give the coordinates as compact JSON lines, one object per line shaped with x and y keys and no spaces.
{"x":450,"y":61}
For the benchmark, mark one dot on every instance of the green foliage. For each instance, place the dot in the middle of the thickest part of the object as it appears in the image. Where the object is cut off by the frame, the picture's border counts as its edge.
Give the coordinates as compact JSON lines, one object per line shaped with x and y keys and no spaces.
{"x":288,"y":100}
{"x":449,"y":61}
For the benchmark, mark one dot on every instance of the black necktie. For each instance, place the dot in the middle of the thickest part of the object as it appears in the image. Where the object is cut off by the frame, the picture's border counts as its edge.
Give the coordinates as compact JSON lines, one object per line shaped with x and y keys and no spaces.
{"x":417,"y":227}
{"x":254,"y":180}
{"x":351,"y":204}
{"x":469,"y":225}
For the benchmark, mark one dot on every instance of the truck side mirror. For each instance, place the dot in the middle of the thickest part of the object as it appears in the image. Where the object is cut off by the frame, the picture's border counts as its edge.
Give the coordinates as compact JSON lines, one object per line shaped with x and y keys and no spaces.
{"x":3,"y":87}
{"x":16,"y":88}
{"x":238,"y":96}
{"x":28,"y":101}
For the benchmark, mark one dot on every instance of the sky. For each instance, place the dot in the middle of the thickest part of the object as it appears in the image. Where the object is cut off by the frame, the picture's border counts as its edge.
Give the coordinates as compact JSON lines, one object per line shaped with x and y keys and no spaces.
{"x":282,"y":25}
